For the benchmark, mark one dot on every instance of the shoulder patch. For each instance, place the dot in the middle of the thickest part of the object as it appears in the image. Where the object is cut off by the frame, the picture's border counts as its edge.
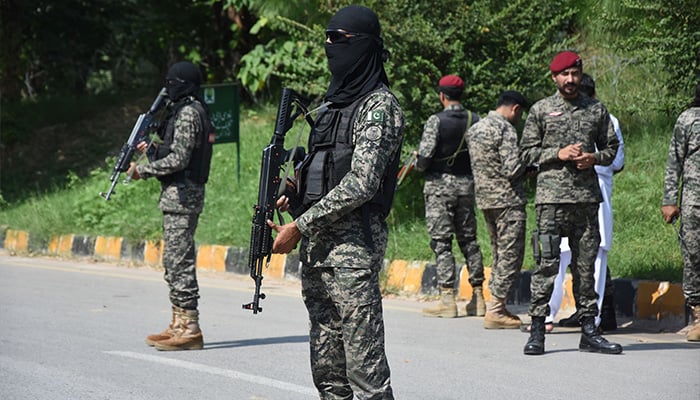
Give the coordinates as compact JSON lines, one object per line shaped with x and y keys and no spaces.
{"x":375,"y":116}
{"x":373,"y":133}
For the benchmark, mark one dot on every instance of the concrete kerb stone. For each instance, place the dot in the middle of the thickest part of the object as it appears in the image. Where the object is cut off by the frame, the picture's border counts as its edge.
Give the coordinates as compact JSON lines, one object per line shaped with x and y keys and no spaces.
{"x":637,"y":299}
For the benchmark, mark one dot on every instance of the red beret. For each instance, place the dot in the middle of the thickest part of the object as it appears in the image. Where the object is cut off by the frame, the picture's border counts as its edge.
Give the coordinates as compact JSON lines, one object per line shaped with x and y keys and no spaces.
{"x":452,"y":81}
{"x":564,"y":60}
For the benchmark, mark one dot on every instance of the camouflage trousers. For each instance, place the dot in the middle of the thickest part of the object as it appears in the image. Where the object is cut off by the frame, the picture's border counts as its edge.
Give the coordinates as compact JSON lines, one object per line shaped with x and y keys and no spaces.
{"x":506,"y":228}
{"x":690,"y":249}
{"x":451,"y":216}
{"x":578,"y":222}
{"x":346,"y":335}
{"x":179,"y":259}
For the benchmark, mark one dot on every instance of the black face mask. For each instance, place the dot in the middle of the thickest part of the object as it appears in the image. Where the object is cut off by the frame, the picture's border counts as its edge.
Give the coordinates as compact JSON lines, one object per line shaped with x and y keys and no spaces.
{"x":183,"y":79}
{"x":355,"y":55}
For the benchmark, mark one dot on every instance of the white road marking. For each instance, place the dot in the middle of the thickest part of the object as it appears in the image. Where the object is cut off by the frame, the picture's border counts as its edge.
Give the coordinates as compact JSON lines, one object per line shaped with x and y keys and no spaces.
{"x":259,"y":380}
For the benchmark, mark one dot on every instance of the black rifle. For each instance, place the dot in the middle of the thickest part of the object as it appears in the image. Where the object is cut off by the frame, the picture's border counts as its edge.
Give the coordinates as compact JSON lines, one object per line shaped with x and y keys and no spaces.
{"x":138,"y":134}
{"x":273,"y":157}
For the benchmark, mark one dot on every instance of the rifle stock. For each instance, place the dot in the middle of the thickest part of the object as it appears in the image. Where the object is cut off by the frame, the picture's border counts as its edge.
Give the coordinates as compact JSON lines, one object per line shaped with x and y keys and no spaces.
{"x":273,"y":157}
{"x":138,"y":133}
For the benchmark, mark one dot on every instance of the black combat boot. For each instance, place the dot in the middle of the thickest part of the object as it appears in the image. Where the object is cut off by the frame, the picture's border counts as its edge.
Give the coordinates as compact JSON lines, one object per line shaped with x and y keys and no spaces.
{"x":608,"y":322}
{"x":535,"y":344}
{"x":593,"y":342}
{"x":571,"y":321}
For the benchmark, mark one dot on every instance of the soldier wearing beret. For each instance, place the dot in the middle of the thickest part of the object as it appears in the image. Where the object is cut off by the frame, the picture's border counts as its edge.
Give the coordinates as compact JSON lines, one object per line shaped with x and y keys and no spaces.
{"x":566,"y":134}
{"x":449,"y":198}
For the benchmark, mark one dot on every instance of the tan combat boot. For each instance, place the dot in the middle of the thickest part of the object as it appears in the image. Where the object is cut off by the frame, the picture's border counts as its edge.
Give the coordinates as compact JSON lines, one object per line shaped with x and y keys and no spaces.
{"x":187,"y":337}
{"x":497,"y":317}
{"x":694,"y":332}
{"x":151,"y":340}
{"x":477,"y":305}
{"x":446,"y":308}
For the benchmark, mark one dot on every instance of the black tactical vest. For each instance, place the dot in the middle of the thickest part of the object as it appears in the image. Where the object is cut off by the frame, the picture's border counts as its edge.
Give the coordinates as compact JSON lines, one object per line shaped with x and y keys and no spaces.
{"x":330,"y":155}
{"x":197,"y":169}
{"x":452,"y":155}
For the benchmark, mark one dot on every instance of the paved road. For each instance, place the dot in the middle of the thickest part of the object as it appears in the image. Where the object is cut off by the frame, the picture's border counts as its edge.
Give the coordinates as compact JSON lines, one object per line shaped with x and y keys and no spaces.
{"x":75,"y":330}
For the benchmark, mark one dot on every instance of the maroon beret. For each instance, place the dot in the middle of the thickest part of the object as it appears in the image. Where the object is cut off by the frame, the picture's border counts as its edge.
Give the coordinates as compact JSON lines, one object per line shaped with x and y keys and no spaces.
{"x":564,"y":60}
{"x":452,"y":81}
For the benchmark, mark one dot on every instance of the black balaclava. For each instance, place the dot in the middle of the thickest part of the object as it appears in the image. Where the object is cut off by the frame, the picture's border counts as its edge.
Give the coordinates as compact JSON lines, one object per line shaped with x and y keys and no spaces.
{"x":356,"y":65}
{"x":183,"y":79}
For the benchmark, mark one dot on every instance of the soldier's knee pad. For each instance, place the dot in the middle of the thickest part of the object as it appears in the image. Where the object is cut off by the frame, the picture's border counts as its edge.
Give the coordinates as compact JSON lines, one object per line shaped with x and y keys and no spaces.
{"x":550,"y":245}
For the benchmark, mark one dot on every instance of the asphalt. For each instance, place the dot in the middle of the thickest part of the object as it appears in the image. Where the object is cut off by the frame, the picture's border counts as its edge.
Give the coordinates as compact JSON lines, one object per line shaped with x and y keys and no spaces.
{"x":647,"y":305}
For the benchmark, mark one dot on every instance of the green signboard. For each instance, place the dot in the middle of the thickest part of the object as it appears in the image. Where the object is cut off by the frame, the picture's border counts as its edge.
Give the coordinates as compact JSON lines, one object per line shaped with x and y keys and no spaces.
{"x":224,"y":102}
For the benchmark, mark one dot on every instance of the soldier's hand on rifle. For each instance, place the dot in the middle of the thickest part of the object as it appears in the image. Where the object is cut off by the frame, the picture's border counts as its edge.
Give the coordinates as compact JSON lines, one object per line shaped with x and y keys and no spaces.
{"x":283,"y":203}
{"x":142,"y":146}
{"x":670,"y":213}
{"x":133,"y":172}
{"x":288,"y":236}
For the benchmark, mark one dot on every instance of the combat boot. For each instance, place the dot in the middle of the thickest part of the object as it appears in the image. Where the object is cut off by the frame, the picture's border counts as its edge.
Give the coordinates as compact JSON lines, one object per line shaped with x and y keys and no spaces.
{"x":608,"y":321}
{"x":497,"y":317}
{"x":571,"y":321}
{"x":169,"y":331}
{"x":446,"y":308}
{"x":188,"y":336}
{"x":694,"y":332}
{"x":593,"y":342}
{"x":535,"y":343}
{"x":477,"y":305}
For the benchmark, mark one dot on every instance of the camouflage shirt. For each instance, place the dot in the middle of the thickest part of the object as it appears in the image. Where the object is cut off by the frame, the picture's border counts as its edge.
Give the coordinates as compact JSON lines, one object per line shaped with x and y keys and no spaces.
{"x":440,"y":182}
{"x":554,"y":123}
{"x":179,"y":197}
{"x":335,"y":226}
{"x":683,"y":162}
{"x":498,"y":171}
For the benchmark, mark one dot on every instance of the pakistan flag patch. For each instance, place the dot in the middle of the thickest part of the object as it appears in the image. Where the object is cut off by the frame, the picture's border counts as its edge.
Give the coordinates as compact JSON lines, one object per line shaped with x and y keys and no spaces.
{"x":375,"y":116}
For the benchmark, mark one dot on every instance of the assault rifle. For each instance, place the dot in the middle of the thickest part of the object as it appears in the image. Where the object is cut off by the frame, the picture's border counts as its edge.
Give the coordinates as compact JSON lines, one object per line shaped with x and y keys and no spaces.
{"x":138,"y":134}
{"x":273,"y":157}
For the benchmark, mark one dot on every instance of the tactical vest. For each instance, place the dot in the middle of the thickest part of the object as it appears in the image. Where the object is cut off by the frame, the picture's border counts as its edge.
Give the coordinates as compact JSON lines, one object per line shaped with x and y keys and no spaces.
{"x":330,"y":155}
{"x":197,"y":169}
{"x":452,"y":155}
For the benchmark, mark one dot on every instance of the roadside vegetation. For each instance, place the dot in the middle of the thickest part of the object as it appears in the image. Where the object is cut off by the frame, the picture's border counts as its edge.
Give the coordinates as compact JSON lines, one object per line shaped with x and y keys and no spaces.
{"x":58,"y":145}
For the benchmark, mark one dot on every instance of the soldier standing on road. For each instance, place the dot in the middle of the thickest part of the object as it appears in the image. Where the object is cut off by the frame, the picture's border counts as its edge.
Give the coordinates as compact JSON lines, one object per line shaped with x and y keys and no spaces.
{"x":348,"y":183}
{"x":566,"y":134}
{"x":449,"y":198}
{"x":498,"y":182}
{"x":683,"y":165}
{"x":181,"y":164}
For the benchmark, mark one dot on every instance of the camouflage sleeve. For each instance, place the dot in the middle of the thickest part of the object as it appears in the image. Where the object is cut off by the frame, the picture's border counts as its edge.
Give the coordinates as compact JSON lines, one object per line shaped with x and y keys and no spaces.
{"x":187,"y":124}
{"x":428,"y":143}
{"x":531,"y":149}
{"x":606,"y":140}
{"x":674,"y":165}
{"x":378,"y":130}
{"x":512,"y":166}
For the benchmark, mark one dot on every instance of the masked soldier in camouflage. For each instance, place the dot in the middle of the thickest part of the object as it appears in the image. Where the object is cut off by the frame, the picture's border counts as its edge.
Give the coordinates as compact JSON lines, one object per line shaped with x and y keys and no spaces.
{"x":498,"y":183}
{"x":181,"y":164}
{"x":348,"y":182}
{"x":683,"y":165}
{"x":566,"y":134}
{"x":449,"y":198}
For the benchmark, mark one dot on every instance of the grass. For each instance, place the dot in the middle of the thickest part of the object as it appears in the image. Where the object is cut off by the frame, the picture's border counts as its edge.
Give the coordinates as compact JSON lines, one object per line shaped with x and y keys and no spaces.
{"x":643,"y":246}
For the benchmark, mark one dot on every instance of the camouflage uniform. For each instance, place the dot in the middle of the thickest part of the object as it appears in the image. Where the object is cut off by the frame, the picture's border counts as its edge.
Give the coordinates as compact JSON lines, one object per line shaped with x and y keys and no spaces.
{"x":498,"y":172}
{"x":567,"y":198}
{"x":684,"y":165}
{"x":181,"y":203}
{"x":449,"y":212}
{"x":340,"y":268}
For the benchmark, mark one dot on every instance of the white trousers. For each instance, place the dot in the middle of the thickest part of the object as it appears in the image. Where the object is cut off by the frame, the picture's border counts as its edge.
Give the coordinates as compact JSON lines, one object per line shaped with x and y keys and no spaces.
{"x":601,"y":266}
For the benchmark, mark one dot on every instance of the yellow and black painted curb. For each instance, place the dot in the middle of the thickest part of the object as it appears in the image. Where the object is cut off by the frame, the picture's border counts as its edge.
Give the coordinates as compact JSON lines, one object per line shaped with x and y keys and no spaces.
{"x":638,"y":299}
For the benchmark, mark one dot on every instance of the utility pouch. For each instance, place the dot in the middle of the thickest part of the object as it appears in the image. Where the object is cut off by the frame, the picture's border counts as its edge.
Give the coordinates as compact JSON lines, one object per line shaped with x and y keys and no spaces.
{"x":550,"y":245}
{"x":315,"y":173}
{"x":536,"y":246}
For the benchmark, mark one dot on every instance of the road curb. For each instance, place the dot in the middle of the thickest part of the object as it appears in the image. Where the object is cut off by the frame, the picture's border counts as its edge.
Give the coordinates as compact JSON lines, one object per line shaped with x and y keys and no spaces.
{"x":637,"y":299}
